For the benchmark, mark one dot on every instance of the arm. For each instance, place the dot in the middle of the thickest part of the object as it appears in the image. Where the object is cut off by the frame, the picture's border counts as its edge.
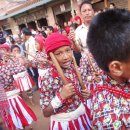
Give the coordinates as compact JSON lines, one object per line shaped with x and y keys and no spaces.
{"x":50,"y":100}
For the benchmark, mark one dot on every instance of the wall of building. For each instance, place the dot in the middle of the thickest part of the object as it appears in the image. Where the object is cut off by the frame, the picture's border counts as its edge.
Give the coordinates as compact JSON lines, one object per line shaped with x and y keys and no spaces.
{"x":49,"y":13}
{"x":120,"y":3}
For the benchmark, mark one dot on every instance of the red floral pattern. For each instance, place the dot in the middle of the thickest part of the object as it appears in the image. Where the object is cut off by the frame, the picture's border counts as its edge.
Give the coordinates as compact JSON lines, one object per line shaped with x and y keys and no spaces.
{"x":110,"y":111}
{"x":6,"y":74}
{"x":39,"y":55}
{"x":89,"y":69}
{"x":51,"y":84}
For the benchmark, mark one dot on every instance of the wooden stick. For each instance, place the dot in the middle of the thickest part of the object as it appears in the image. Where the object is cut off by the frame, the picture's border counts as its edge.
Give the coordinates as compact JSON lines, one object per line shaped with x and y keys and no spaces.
{"x":60,"y":71}
{"x":78,"y":74}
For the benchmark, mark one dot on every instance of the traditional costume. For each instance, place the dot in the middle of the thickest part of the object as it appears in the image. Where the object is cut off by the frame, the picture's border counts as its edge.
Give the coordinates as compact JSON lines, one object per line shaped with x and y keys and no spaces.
{"x":110,"y":106}
{"x":19,"y":114}
{"x":70,"y":115}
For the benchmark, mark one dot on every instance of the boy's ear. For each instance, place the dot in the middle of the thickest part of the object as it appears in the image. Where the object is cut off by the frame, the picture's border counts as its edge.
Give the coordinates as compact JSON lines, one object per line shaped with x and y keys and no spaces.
{"x":116,"y":68}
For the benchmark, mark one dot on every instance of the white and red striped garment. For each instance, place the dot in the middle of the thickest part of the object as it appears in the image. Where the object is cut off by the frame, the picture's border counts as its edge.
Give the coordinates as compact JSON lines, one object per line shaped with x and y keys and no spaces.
{"x":20,"y":114}
{"x":23,"y":81}
{"x":41,"y":73}
{"x":75,"y":120}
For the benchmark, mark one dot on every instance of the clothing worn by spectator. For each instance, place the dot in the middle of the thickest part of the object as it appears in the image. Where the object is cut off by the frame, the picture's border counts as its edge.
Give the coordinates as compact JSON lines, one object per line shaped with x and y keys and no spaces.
{"x":81,"y":34}
{"x":30,"y":47}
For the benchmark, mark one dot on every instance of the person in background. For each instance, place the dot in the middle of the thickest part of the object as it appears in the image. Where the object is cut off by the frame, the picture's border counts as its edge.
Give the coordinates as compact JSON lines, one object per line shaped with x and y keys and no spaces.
{"x":87,"y":13}
{"x":50,"y":30}
{"x":112,"y":6}
{"x":40,"y":58}
{"x":31,"y":50}
{"x":66,"y":27}
{"x":1,"y":33}
{"x":17,"y":114}
{"x":18,"y":41}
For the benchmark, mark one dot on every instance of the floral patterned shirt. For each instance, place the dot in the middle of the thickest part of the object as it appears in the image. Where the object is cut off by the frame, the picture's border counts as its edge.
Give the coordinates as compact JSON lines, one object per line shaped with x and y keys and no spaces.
{"x":89,"y":69}
{"x":110,"y":111}
{"x":52,"y":83}
{"x":6,"y":74}
{"x":39,"y":55}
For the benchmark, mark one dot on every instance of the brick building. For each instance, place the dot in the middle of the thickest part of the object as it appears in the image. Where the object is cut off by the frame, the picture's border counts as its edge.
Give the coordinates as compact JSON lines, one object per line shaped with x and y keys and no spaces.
{"x":33,"y":13}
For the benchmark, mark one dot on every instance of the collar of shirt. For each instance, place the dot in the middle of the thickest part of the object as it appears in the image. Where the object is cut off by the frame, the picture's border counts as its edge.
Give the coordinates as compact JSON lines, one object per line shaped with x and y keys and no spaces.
{"x":84,"y":26}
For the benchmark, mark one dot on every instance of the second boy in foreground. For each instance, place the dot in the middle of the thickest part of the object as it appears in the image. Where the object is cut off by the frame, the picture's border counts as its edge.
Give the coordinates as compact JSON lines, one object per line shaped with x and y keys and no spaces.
{"x":109,"y":42}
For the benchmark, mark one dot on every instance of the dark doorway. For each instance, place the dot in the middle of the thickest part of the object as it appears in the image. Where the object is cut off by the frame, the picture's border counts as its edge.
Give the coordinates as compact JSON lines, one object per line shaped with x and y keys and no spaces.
{"x":64,"y":17}
{"x":21,"y":26}
{"x":42,"y":22}
{"x":32,"y":25}
{"x":8,"y":31}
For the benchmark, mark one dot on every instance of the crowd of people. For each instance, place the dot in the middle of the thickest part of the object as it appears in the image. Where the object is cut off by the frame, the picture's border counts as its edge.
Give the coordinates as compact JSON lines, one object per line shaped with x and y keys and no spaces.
{"x":81,"y":71}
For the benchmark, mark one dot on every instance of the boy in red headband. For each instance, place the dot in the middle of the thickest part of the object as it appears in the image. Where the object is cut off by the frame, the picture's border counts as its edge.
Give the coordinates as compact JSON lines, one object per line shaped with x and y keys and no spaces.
{"x":18,"y":115}
{"x":64,"y":115}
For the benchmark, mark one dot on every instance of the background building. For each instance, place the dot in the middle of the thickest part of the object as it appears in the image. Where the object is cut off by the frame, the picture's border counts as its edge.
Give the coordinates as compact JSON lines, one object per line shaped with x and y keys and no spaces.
{"x":16,"y":14}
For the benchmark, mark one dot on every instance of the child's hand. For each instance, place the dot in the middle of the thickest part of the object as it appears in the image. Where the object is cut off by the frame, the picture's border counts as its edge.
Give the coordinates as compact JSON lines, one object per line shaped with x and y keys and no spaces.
{"x":67,"y":91}
{"x":85,"y":93}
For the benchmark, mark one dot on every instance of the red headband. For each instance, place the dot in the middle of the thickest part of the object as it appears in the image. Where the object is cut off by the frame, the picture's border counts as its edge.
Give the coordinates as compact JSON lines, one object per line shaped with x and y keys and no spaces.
{"x":55,"y":41}
{"x":41,"y":40}
{"x":5,"y":46}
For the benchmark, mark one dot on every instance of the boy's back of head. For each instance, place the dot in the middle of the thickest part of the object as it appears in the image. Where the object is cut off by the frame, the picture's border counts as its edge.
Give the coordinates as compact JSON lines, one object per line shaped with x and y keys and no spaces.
{"x":109,"y":37}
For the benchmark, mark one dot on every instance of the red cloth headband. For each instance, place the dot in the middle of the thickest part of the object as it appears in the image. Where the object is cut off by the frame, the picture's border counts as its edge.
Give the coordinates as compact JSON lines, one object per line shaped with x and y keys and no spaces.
{"x":55,"y":41}
{"x":5,"y":46}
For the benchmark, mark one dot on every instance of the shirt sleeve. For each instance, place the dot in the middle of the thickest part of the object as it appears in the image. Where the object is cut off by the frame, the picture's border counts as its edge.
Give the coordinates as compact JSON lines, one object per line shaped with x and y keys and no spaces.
{"x":47,"y":92}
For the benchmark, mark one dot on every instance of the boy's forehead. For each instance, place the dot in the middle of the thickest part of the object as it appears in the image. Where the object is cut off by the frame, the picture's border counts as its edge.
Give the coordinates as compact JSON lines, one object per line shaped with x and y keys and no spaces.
{"x":62,"y":48}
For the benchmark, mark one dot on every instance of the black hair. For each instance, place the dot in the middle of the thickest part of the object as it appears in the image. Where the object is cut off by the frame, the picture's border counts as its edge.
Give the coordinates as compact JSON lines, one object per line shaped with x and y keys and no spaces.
{"x":85,"y":2}
{"x":2,"y":40}
{"x":26,"y":31}
{"x":113,"y":4}
{"x":74,"y":25}
{"x":108,"y":37}
{"x":15,"y":46}
{"x":50,"y":28}
{"x":11,"y":39}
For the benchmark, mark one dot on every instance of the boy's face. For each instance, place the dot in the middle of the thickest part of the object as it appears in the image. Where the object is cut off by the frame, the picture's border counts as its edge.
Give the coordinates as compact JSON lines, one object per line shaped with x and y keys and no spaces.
{"x":37,"y":45}
{"x":16,"y":51}
{"x":5,"y":54}
{"x":64,"y":56}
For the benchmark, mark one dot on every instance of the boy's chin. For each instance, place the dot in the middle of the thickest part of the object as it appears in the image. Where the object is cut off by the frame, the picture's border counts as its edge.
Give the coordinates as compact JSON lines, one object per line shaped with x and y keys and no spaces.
{"x":65,"y":67}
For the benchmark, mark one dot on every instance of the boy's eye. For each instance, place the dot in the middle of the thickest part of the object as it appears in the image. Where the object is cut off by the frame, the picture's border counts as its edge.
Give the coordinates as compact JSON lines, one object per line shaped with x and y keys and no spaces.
{"x":68,"y":50}
{"x":59,"y":53}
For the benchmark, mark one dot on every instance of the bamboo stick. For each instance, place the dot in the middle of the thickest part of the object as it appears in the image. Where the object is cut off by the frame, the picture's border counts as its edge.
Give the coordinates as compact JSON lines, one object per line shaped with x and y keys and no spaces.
{"x":78,"y":74}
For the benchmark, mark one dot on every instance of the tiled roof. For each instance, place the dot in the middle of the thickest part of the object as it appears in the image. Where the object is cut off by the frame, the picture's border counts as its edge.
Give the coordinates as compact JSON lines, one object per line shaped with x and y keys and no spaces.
{"x":10,"y":9}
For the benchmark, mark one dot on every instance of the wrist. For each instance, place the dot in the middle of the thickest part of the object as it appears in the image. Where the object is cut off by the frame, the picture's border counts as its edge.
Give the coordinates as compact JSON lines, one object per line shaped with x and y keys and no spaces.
{"x":62,"y":99}
{"x":56,"y":102}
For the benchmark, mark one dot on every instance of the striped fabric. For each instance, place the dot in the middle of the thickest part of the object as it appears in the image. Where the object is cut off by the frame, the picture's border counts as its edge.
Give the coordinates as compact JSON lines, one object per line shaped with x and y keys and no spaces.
{"x":81,"y":123}
{"x":23,"y":81}
{"x":20,"y":114}
{"x":75,"y":120}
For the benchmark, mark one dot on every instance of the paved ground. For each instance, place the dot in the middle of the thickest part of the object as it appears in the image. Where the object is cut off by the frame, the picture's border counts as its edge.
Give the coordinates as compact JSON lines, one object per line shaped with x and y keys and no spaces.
{"x":42,"y":123}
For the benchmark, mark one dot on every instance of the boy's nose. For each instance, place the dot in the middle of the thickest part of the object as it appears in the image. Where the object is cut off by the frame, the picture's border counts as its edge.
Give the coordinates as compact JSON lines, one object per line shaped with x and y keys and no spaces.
{"x":65,"y":55}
